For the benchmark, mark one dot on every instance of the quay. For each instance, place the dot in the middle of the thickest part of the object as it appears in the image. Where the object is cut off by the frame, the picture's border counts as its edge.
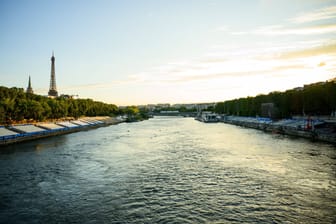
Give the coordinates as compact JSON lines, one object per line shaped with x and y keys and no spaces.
{"x":314,"y":129}
{"x":26,"y":132}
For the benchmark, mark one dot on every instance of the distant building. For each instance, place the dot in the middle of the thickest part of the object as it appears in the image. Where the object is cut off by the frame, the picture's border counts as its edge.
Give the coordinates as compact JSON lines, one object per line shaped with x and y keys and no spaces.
{"x":163,"y":105}
{"x":204,"y":106}
{"x":189,"y":106}
{"x":29,"y":88}
{"x":52,"y":90}
{"x":298,"y":89}
{"x":67,"y":96}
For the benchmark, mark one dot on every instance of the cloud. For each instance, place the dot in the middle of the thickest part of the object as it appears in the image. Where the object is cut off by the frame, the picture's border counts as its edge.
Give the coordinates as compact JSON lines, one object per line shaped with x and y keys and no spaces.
{"x":317,"y":15}
{"x":323,"y":14}
{"x":289,"y":67}
{"x":279,"y":30}
{"x":309,"y":52}
{"x":247,"y":70}
{"x":217,"y":76}
{"x":213,"y":59}
{"x":269,"y":58}
{"x":310,"y":30}
{"x":207,"y":69}
{"x":321,"y":64}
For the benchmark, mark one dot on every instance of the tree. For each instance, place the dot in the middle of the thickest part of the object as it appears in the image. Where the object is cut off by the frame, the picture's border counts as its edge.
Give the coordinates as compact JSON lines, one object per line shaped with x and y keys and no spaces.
{"x":131,"y":110}
{"x":35,"y":110}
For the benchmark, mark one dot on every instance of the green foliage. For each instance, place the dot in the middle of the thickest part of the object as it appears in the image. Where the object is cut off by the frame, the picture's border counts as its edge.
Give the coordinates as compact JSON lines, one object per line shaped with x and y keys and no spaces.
{"x":314,"y":99}
{"x":16,"y":105}
{"x":131,"y":110}
{"x":135,"y":113}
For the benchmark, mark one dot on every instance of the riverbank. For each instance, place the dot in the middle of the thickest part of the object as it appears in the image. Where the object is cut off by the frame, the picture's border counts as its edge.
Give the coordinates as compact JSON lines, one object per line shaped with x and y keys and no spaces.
{"x":31,"y":131}
{"x":314,"y":128}
{"x":317,"y":130}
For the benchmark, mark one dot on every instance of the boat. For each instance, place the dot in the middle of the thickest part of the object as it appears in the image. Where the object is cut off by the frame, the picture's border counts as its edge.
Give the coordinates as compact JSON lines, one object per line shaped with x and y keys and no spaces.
{"x":207,"y":117}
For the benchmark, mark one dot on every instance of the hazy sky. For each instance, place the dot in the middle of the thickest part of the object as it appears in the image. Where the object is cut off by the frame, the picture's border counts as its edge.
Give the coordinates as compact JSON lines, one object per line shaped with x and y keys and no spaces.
{"x":175,"y":51}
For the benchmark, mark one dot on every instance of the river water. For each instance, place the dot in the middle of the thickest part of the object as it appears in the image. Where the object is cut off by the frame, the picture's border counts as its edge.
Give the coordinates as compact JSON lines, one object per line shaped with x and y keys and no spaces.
{"x":168,"y":170}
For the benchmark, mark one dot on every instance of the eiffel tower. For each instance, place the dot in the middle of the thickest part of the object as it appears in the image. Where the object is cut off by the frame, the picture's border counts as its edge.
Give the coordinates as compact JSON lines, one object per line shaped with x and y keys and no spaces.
{"x":52,"y":90}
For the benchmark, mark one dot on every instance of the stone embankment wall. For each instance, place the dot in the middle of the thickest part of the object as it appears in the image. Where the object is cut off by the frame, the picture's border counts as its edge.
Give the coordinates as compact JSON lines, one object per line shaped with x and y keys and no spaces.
{"x":319,"y":130}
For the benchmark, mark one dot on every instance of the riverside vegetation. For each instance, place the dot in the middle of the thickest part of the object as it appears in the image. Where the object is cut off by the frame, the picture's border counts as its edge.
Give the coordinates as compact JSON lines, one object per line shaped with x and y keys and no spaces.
{"x":313,"y":99}
{"x":18,"y":106}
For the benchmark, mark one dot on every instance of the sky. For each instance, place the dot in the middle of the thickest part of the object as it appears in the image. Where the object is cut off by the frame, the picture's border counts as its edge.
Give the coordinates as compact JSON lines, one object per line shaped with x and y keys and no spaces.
{"x":136,"y":52}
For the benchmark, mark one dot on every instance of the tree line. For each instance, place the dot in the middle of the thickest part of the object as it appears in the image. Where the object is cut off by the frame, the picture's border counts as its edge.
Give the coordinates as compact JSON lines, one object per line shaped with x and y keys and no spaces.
{"x":17,"y":105}
{"x":313,"y":99}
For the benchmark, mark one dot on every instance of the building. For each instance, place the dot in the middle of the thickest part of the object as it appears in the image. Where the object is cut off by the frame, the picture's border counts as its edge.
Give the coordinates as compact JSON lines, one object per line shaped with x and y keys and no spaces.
{"x":29,"y":88}
{"x":205,"y":106}
{"x":52,"y":90}
{"x":67,"y":96}
{"x":189,"y":106}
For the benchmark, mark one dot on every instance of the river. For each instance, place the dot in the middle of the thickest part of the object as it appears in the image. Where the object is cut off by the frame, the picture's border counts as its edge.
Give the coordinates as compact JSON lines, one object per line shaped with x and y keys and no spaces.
{"x":168,"y":170}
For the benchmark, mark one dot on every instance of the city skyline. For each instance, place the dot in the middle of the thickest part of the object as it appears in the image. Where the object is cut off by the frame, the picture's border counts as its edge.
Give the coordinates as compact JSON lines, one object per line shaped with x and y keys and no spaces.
{"x":144,"y":52}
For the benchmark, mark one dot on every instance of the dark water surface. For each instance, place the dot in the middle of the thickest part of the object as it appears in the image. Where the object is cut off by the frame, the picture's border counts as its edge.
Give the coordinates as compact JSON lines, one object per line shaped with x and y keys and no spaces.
{"x":168,"y":170}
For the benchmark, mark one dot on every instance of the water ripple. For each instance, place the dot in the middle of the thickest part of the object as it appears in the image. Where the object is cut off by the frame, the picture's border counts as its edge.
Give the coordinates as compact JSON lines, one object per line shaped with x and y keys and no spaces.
{"x":168,"y":170}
